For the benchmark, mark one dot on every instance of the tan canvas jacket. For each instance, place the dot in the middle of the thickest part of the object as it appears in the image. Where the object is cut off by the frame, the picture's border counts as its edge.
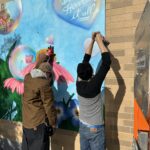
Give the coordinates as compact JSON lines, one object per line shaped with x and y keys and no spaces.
{"x":37,"y":102}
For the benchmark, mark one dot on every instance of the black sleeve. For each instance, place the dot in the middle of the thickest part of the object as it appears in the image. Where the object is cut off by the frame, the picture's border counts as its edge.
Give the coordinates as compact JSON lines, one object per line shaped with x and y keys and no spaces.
{"x":86,"y":58}
{"x":97,"y":80}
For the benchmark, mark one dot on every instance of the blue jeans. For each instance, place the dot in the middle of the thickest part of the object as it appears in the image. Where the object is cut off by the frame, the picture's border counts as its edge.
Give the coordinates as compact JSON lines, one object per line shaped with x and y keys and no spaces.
{"x":92,"y":138}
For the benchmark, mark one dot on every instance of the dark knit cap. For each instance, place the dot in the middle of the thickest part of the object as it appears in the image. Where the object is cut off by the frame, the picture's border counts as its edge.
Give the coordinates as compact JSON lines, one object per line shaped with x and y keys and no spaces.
{"x":84,"y":71}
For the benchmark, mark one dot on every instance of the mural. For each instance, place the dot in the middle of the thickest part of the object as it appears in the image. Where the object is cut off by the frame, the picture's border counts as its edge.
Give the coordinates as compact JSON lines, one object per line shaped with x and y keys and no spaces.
{"x":142,"y":79}
{"x":10,"y":14}
{"x":142,"y":48}
{"x":28,"y":28}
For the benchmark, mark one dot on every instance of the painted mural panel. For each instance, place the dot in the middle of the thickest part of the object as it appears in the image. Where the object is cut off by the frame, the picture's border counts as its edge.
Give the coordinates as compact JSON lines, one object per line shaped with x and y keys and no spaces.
{"x":28,"y":28}
{"x":142,"y":47}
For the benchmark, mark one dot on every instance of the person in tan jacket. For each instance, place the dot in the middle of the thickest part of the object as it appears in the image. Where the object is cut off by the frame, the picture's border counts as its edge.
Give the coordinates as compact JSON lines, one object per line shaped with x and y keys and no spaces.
{"x":39,"y":114}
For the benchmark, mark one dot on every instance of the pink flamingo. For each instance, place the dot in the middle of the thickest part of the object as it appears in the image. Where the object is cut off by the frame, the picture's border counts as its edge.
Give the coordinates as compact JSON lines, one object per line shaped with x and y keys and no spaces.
{"x":59,"y":71}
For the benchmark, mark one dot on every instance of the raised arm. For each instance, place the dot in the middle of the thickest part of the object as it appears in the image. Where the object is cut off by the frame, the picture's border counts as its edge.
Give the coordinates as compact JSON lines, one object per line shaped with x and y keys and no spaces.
{"x":89,"y":49}
{"x":98,"y":79}
{"x":100,"y":41}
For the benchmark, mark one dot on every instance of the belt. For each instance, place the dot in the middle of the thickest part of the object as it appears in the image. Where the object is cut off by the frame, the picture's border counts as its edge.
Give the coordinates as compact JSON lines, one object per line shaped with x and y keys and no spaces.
{"x":92,"y":126}
{"x":35,"y":128}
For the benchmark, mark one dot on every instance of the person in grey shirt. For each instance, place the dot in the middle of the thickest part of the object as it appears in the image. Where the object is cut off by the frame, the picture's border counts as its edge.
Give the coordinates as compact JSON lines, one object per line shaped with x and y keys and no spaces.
{"x":88,"y":86}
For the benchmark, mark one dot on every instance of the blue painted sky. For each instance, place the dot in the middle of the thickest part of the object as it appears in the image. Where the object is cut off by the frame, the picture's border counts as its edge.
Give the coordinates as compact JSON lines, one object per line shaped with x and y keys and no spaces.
{"x":39,"y":20}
